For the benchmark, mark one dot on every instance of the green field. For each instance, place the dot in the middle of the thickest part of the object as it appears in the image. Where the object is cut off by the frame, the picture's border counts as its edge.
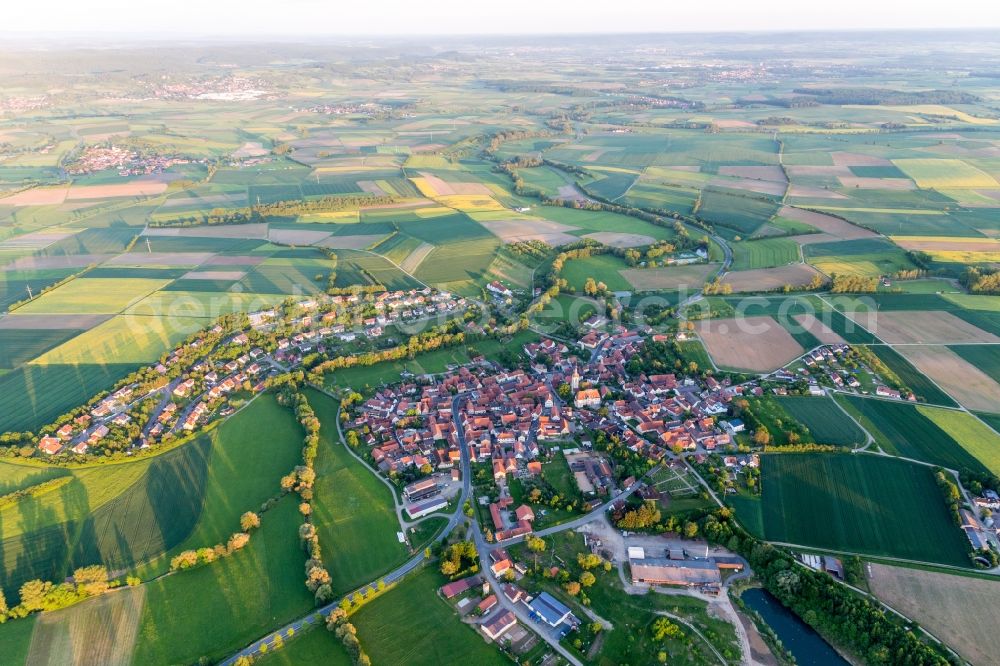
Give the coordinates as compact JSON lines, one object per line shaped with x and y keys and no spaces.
{"x":17,"y":346}
{"x":352,"y":509}
{"x":317,"y":647}
{"x":869,"y":257}
{"x":826,"y":422}
{"x":903,"y":429}
{"x":969,"y":432}
{"x":764,"y":253}
{"x":858,"y":503}
{"x":603,"y":268}
{"x":737,"y":214}
{"x":15,"y":639}
{"x":215,"y":609}
{"x":93,"y":296}
{"x":248,"y":455}
{"x":434,"y":634}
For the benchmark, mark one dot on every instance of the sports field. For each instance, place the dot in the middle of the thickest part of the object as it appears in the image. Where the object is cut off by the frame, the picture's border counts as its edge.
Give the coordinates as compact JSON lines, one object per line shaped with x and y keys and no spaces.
{"x":435,"y":635}
{"x":857,"y":503}
{"x":352,"y":509}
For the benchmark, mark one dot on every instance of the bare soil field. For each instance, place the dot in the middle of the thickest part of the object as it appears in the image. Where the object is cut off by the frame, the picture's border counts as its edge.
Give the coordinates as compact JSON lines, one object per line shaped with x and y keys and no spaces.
{"x":733,"y":123}
{"x":371,"y":187}
{"x":36,"y":240}
{"x":767,"y":279}
{"x":968,"y":385}
{"x":210,"y":199}
{"x":444,"y":188}
{"x":959,"y":610}
{"x":60,"y":261}
{"x":256,"y":230}
{"x":755,"y":172}
{"x":102,"y":630}
{"x":806,"y":192}
{"x":571,"y":193}
{"x":415,"y":258}
{"x":297,"y":236}
{"x":810,"y":170}
{"x":511,"y":231}
{"x":841,"y":158}
{"x":137,"y":188}
{"x":250,"y":149}
{"x":14,"y":321}
{"x":38,"y":196}
{"x":920,"y":327}
{"x":160,"y":259}
{"x":947,"y":244}
{"x":877,"y":183}
{"x":757,"y":344}
{"x":834,"y":226}
{"x":614,"y":239}
{"x":359,"y":242}
{"x":214,"y":275}
{"x":820,"y":331}
{"x":760,"y":186}
{"x":670,"y":277}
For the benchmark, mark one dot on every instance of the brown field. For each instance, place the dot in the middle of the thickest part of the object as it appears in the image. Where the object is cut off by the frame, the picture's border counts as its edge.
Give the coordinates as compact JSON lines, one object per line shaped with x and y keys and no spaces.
{"x":834,"y":226}
{"x":214,"y":275}
{"x":841,"y":158}
{"x":511,"y":231}
{"x":137,"y":188}
{"x":571,"y":193}
{"x":614,"y":239}
{"x":670,"y":277}
{"x":968,"y":385}
{"x":877,"y":183}
{"x":759,"y":186}
{"x":415,"y":258}
{"x":733,"y":123}
{"x":806,"y":192}
{"x":256,"y":230}
{"x":444,"y":188}
{"x":960,"y":611}
{"x":809,"y":170}
{"x":920,"y":327}
{"x":102,"y":630}
{"x":59,"y":261}
{"x":38,"y":196}
{"x":767,"y":279}
{"x":947,"y":244}
{"x":210,"y":199}
{"x":358,"y":242}
{"x":754,"y":172}
{"x":51,"y":321}
{"x":160,"y":259}
{"x":757,"y":344}
{"x":297,"y":236}
{"x":821,"y":331}
{"x":371,"y":187}
{"x":36,"y":240}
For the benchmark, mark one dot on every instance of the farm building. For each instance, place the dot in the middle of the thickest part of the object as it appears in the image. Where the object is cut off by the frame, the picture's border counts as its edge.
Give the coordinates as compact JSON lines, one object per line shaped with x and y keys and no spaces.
{"x":661,"y":571}
{"x":422,"y":489}
{"x":549,"y":609}
{"x":419,"y":510}
{"x":499,"y":624}
{"x":457,"y":587}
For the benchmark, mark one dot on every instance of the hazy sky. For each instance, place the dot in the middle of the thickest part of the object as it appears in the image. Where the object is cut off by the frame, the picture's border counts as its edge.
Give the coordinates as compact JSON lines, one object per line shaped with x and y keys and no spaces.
{"x":368,"y":17}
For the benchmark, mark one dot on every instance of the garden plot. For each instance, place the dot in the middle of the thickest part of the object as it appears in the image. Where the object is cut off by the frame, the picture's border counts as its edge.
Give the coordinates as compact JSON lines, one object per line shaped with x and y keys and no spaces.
{"x":968,"y":385}
{"x":909,"y":327}
{"x":757,"y":344}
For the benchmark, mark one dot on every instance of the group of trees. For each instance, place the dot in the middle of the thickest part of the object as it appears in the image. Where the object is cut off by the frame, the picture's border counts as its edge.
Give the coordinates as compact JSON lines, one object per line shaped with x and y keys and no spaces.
{"x":458,"y":558}
{"x":442,"y":336}
{"x":208,"y":554}
{"x":981,"y":280}
{"x":853,"y":284}
{"x":260,"y":212}
{"x":42,"y":595}
{"x":338,"y":623}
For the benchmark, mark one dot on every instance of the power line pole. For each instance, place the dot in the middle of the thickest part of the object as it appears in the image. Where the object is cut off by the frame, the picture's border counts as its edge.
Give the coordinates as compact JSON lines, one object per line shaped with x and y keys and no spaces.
{"x":30,"y":296}
{"x":149,"y":247}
